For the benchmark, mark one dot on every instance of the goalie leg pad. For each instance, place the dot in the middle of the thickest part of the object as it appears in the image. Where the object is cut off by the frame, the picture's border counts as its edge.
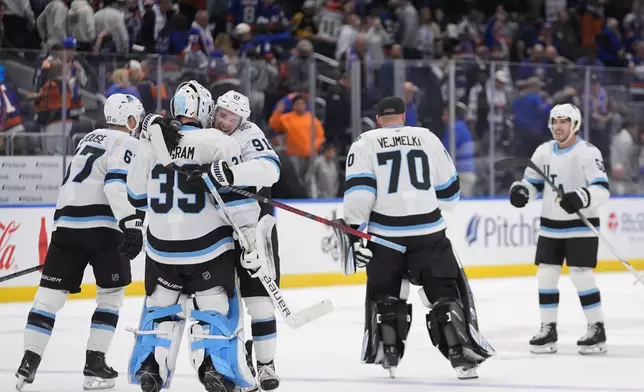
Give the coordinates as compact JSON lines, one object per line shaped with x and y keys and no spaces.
{"x":159,"y":334}
{"x":387,"y":326}
{"x":221,"y":338}
{"x":448,"y":329}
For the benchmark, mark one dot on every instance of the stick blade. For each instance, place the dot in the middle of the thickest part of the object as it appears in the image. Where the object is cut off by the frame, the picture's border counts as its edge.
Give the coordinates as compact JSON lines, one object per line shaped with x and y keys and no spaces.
{"x":309,"y":314}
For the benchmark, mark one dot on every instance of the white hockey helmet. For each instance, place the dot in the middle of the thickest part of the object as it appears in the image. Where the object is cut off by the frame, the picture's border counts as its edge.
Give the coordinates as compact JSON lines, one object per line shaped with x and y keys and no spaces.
{"x":569,"y":111}
{"x":235,"y":102}
{"x":119,"y":108}
{"x":194,"y":101}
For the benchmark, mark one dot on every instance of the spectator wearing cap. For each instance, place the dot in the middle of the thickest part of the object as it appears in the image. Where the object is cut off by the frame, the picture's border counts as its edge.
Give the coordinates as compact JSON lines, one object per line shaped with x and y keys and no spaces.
{"x":531,"y":113}
{"x":154,"y":20}
{"x":66,"y":53}
{"x":110,"y":26}
{"x":298,"y":67}
{"x":323,"y":175}
{"x":304,"y":134}
{"x":625,"y":150}
{"x":303,"y":22}
{"x":18,"y":18}
{"x":122,"y":84}
{"x":52,"y":23}
{"x":81,"y":24}
{"x":464,"y":152}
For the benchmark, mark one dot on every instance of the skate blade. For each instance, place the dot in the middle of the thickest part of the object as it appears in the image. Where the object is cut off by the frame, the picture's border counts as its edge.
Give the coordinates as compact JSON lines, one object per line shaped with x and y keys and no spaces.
{"x":548,"y":348}
{"x":464,"y":373}
{"x":595,"y":349}
{"x":22,"y":381}
{"x":392,"y":372}
{"x":92,"y":383}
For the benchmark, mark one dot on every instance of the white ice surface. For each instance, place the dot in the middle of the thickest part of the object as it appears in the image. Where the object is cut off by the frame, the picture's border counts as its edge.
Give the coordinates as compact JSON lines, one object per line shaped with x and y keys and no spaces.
{"x":324,"y":355}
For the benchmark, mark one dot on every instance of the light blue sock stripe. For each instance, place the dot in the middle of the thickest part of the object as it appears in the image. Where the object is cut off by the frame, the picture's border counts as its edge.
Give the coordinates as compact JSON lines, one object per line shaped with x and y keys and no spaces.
{"x":591,"y":306}
{"x":265,"y":337}
{"x":39,"y":329}
{"x":103,"y":327}
{"x":588,"y":292}
{"x":548,"y":305}
{"x":548,"y":291}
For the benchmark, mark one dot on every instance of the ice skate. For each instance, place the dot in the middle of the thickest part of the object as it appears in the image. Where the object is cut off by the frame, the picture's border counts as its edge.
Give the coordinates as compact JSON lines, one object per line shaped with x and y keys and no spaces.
{"x":545,"y":341}
{"x":212,"y":380}
{"x":465,"y":368}
{"x":27,"y":370}
{"x":391,"y":359}
{"x":594,"y":342}
{"x":266,"y":376}
{"x":148,"y":375}
{"x":97,"y":374}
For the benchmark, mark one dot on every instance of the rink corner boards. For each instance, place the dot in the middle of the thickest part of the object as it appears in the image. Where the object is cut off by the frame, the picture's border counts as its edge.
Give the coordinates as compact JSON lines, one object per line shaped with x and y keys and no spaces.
{"x":26,"y":293}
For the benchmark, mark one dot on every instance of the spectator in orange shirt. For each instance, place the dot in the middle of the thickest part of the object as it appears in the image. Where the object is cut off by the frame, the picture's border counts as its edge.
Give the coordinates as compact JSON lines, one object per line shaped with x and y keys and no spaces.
{"x":297,"y":127}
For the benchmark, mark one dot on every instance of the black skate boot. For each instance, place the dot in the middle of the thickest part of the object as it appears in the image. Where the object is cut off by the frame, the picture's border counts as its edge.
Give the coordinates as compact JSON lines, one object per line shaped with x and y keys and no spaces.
{"x":27,"y":370}
{"x":249,"y":361}
{"x":97,"y":374}
{"x":267,"y":377}
{"x":464,"y":366}
{"x":594,"y":342}
{"x":212,"y":380}
{"x":391,"y":359}
{"x":545,"y":341}
{"x":148,"y":375}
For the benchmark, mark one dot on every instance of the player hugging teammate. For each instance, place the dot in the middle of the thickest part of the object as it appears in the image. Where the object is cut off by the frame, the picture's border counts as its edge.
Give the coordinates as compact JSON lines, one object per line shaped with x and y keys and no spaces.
{"x":577,"y":168}
{"x":191,"y":252}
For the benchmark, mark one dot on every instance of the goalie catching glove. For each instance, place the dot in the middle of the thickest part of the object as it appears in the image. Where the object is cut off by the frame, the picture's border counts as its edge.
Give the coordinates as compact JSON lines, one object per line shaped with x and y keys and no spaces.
{"x":354,"y":250}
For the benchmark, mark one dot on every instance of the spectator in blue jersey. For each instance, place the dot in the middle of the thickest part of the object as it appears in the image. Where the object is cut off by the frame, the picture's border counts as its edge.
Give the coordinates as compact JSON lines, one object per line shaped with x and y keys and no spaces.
{"x":122,"y":84}
{"x":531,"y":113}
{"x":609,"y":44}
{"x":411,"y":114}
{"x":463,"y":154}
{"x":277,"y":20}
{"x":242,"y":11}
{"x":200,"y":35}
{"x":533,"y":66}
{"x":547,"y":38}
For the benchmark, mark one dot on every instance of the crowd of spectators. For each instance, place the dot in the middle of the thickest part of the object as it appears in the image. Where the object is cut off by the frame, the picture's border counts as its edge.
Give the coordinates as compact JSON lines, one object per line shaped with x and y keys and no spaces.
{"x":512,"y":61}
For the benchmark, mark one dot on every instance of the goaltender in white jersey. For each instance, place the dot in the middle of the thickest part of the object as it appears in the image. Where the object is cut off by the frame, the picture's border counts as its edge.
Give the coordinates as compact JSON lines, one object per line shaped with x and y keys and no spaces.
{"x":577,"y":168}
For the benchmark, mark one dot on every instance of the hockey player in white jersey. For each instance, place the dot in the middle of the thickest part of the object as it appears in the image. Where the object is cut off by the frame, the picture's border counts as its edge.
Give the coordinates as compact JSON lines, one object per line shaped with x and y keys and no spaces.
{"x":577,"y":167}
{"x":257,"y":169}
{"x":190,"y":250}
{"x":92,"y":215}
{"x":398,"y":179}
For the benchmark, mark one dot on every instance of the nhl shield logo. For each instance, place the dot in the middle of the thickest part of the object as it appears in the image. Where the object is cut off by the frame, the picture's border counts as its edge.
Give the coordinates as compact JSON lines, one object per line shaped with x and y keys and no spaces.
{"x":206,"y":275}
{"x":115,"y":277}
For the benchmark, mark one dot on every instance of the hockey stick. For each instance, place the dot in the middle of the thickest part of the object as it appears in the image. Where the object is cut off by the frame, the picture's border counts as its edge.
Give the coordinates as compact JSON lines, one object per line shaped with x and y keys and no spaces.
{"x":158,"y":144}
{"x":20,"y":273}
{"x":294,"y":320}
{"x":508,"y":163}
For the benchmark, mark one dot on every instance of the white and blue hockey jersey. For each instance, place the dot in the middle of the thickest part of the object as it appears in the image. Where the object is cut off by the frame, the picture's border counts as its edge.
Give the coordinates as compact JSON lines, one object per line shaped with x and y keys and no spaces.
{"x":261,"y":165}
{"x":397,"y":180}
{"x":93,"y":193}
{"x":184,"y":226}
{"x":578,"y":166}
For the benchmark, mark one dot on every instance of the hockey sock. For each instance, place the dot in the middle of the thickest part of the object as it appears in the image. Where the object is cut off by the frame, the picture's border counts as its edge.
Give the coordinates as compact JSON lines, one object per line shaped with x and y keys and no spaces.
{"x":105,"y":318}
{"x":547,"y":279}
{"x":589,"y":295}
{"x":41,"y":318}
{"x":263,"y":328}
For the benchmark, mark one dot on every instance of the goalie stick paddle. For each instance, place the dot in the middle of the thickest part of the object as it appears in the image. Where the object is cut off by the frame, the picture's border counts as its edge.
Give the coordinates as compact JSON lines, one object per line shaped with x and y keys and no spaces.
{"x":292,"y":319}
{"x":20,"y":273}
{"x":514,"y":162}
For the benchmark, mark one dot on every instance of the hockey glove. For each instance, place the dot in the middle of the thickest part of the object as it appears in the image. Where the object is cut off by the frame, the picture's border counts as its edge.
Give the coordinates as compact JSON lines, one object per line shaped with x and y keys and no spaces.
{"x":574,"y":201}
{"x":169,"y":128}
{"x":519,"y":195}
{"x":250,"y":259}
{"x":361,"y":254}
{"x":218,"y":172}
{"x":132,"y":244}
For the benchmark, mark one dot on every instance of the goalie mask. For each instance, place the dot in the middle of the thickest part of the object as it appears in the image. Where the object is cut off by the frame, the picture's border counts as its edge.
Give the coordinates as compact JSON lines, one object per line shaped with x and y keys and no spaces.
{"x":566,"y":111}
{"x":231,"y":112}
{"x":192,"y":100}
{"x":123,"y":110}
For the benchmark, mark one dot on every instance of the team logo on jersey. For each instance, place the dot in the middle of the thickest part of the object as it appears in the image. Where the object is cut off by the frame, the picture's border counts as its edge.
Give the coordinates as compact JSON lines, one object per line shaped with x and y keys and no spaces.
{"x":600,"y":165}
{"x":115,"y":277}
